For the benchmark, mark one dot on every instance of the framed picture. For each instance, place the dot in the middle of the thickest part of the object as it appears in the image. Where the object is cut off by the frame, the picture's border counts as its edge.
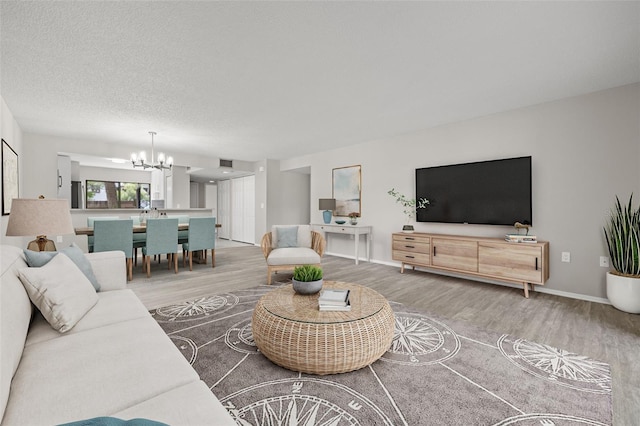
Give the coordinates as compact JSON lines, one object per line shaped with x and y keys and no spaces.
{"x":347,"y":182}
{"x":9,"y":177}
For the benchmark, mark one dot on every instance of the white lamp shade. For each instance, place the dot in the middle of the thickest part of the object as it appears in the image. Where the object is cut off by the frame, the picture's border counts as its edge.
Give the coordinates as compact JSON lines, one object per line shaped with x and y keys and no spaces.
{"x":33,"y":217}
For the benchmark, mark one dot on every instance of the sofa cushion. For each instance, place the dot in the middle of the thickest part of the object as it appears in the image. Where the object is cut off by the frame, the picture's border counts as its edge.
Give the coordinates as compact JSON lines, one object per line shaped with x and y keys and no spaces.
{"x":41,"y":258}
{"x":15,"y":313}
{"x":112,"y":307}
{"x":293,"y":256}
{"x":168,"y":408}
{"x":110,"y":269}
{"x":97,"y":373}
{"x":60,"y":291}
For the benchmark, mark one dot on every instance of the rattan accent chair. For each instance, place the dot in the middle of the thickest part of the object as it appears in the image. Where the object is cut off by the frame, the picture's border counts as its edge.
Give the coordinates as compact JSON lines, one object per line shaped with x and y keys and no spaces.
{"x":286,"y":259}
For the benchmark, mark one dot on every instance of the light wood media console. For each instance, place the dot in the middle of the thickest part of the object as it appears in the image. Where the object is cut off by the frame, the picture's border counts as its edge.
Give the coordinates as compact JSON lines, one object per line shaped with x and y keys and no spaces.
{"x":492,"y":258}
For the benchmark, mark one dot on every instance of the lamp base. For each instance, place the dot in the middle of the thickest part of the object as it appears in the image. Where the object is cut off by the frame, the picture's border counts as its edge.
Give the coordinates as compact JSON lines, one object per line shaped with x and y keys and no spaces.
{"x":326,"y":216}
{"x":41,"y":243}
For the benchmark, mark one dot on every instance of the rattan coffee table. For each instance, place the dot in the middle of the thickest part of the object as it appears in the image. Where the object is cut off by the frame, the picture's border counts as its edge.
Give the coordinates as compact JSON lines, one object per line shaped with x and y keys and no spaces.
{"x":289,"y":329}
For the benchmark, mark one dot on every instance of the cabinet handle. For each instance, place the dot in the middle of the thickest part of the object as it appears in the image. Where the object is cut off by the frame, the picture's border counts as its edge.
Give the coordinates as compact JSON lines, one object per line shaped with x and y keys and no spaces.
{"x":536,"y":263}
{"x":410,"y":257}
{"x":409,"y":246}
{"x":59,"y":181}
{"x":409,"y":238}
{"x":434,"y":251}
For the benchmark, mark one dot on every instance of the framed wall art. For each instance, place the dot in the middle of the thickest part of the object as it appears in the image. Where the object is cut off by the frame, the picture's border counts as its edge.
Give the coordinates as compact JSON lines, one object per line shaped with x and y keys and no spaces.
{"x":9,"y":177}
{"x":347,"y":182}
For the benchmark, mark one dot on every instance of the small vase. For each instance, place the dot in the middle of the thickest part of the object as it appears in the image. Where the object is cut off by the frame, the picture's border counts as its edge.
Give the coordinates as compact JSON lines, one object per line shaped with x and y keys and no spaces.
{"x":407,"y":228}
{"x":307,"y":287}
{"x":353,"y":220}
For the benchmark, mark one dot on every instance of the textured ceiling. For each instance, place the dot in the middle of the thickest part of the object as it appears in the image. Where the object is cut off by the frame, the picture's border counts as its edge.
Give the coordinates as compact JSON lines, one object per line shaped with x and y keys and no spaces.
{"x":255,"y":80}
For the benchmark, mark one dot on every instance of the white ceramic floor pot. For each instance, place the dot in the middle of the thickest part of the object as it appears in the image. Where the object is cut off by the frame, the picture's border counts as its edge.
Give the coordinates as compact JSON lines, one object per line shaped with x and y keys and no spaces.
{"x":307,"y":287}
{"x":624,"y":292}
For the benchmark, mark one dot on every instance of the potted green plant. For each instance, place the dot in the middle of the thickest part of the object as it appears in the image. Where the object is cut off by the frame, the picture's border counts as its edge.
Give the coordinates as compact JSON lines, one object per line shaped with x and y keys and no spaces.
{"x":622,"y":233}
{"x":307,"y":279}
{"x":410,"y":207}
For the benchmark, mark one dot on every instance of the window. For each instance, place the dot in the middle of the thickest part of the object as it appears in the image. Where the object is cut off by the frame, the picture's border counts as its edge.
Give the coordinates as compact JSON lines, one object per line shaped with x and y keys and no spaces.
{"x":117,"y":195}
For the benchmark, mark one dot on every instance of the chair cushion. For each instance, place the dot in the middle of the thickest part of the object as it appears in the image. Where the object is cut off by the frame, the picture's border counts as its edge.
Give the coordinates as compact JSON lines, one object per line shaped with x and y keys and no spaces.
{"x":293,"y":256}
{"x":60,"y":291}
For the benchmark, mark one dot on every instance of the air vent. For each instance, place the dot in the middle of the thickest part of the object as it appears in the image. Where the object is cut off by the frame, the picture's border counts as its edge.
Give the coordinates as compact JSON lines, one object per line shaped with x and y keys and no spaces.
{"x":226,"y":163}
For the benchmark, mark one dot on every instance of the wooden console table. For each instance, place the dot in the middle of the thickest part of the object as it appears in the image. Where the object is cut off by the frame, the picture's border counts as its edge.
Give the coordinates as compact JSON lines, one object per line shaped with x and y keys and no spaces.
{"x":355,"y":230}
{"x":521,"y":263}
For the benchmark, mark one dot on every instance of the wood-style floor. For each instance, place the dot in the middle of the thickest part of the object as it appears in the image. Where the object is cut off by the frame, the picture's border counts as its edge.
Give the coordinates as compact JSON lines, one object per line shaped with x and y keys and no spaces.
{"x":592,"y":329}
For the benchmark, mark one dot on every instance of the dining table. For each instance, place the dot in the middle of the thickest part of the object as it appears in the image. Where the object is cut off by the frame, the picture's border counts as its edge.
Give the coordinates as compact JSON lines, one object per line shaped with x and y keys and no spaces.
{"x":137,"y":229}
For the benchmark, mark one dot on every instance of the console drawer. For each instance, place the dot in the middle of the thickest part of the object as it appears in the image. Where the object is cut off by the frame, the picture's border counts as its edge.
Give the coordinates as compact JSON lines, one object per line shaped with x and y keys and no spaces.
{"x":411,"y":257}
{"x":412,"y":246}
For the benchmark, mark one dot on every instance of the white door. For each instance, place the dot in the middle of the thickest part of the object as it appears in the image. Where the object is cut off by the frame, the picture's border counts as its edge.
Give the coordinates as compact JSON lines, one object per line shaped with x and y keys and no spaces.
{"x":224,"y":209}
{"x":249,"y":210}
{"x":237,"y":209}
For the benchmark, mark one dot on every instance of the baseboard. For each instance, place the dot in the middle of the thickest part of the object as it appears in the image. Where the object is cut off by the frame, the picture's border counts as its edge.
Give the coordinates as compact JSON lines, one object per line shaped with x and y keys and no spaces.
{"x":539,"y":289}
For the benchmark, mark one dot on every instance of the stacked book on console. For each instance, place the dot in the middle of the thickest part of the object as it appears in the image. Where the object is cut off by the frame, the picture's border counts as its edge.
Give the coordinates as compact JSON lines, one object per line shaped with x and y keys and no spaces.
{"x":517,"y":238}
{"x":334,"y":300}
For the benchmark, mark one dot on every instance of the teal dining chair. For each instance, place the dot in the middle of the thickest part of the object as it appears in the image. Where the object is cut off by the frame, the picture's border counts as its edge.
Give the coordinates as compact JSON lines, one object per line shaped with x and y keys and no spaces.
{"x":115,"y":235}
{"x":162,"y":238}
{"x":139,"y":239}
{"x":90,"y":221}
{"x":200,"y":236}
{"x":182,"y":219}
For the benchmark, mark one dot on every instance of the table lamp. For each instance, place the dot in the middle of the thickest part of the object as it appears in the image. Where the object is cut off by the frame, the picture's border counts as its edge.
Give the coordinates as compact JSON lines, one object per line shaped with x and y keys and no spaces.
{"x":39,"y":217}
{"x":328,"y":205}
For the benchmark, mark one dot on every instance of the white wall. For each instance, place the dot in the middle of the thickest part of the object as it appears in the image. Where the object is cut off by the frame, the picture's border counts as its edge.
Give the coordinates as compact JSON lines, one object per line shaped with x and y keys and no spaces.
{"x":585,"y":150}
{"x":211,"y":198}
{"x":12,"y":134}
{"x":114,"y":175}
{"x":181,"y":186}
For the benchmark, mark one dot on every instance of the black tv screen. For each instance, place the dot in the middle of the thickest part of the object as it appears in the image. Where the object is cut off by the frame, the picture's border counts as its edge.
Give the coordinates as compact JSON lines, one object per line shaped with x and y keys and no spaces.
{"x":494,"y":192}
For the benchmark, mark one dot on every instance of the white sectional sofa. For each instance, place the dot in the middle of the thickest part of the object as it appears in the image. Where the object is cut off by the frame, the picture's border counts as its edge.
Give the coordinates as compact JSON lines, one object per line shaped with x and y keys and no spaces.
{"x":116,"y":361}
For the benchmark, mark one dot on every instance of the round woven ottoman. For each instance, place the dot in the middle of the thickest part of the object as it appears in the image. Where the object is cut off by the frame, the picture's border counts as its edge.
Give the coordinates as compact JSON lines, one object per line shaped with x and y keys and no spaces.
{"x":292,"y":332}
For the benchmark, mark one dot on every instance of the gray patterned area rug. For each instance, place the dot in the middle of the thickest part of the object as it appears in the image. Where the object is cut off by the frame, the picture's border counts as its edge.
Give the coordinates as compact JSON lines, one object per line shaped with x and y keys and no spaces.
{"x":437,"y":372}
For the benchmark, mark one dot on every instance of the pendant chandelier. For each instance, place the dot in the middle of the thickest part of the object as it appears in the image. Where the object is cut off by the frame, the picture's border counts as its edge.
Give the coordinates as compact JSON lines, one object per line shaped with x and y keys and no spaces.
{"x":140,"y":160}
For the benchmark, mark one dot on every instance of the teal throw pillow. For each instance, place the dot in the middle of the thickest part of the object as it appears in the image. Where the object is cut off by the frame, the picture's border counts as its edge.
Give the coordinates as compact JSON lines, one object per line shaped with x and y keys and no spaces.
{"x":37,"y":259}
{"x":287,"y":237}
{"x":113,"y":421}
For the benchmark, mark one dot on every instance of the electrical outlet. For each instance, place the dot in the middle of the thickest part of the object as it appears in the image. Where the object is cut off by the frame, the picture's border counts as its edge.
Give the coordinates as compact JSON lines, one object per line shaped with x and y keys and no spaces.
{"x":604,"y":261}
{"x":59,"y":239}
{"x":566,"y":256}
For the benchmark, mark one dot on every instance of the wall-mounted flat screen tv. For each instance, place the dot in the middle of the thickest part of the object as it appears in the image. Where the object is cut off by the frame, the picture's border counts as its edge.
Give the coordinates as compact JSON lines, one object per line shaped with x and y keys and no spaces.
{"x":496,"y":192}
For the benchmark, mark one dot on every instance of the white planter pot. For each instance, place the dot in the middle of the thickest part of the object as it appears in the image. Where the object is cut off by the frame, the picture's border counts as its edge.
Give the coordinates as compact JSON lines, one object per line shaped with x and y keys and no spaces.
{"x":624,"y":293}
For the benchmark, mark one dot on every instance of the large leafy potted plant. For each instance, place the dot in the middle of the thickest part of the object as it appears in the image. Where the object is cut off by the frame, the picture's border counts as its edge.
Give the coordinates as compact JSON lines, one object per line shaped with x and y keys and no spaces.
{"x":307,"y":279}
{"x":410,"y":207}
{"x":622,"y":233}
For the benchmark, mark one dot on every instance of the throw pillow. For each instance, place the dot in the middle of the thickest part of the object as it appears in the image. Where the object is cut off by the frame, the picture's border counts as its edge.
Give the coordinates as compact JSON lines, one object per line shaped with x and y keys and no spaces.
{"x":41,"y":258}
{"x":60,"y":291}
{"x":287,"y":237}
